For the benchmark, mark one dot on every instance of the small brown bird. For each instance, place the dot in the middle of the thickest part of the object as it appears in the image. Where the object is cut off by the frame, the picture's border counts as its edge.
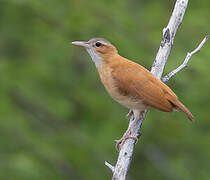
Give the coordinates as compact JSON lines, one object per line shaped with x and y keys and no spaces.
{"x":129,"y":83}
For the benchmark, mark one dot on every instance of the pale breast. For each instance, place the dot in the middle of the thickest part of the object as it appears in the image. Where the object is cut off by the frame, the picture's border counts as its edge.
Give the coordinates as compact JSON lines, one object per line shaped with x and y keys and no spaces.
{"x":110,"y":85}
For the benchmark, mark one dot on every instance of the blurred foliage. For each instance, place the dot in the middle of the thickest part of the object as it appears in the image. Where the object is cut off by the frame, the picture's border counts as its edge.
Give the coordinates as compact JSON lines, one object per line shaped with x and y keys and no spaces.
{"x":57,"y":121}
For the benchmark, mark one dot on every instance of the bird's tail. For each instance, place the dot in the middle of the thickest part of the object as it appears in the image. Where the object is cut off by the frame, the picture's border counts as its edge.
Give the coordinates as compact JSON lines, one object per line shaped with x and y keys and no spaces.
{"x":181,"y":107}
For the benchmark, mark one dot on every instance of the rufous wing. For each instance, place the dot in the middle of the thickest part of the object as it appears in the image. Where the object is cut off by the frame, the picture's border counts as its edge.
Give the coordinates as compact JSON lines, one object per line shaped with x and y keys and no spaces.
{"x":137,"y":82}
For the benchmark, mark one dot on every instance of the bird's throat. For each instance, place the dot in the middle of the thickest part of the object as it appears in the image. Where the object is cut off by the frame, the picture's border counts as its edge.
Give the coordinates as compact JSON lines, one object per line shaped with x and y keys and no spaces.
{"x":95,"y":57}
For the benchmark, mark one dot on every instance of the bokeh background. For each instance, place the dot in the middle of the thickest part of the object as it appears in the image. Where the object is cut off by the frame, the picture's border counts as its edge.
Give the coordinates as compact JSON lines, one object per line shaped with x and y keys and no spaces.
{"x":57,"y":121}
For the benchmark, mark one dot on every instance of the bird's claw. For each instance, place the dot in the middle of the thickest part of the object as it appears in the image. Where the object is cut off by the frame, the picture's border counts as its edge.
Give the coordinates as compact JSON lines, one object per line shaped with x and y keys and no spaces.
{"x":121,"y":141}
{"x":130,"y":113}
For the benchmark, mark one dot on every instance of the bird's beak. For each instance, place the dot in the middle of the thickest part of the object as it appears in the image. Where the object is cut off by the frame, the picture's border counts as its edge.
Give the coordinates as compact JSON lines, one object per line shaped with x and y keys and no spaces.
{"x":81,"y":43}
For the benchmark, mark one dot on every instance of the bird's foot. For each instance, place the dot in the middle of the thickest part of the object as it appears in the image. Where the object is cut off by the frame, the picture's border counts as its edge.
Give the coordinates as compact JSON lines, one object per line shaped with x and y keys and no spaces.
{"x":121,"y":141}
{"x":136,"y":115}
{"x":130,"y":113}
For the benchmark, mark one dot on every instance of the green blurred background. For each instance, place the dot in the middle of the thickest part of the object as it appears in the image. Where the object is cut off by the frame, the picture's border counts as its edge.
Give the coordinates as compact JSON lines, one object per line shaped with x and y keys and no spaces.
{"x":57,"y":121}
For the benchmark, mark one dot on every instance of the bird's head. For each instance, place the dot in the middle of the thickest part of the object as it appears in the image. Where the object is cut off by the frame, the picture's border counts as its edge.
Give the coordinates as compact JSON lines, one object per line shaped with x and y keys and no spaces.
{"x":98,"y":48}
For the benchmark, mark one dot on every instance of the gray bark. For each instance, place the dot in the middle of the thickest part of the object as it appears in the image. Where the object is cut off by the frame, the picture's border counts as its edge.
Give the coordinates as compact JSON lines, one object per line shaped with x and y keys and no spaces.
{"x":126,"y":151}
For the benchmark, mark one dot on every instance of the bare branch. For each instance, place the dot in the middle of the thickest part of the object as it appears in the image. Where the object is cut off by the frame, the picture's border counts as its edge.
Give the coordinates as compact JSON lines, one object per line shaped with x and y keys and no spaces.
{"x":185,"y":63}
{"x":168,"y":37}
{"x":109,"y":166}
{"x":126,"y":150}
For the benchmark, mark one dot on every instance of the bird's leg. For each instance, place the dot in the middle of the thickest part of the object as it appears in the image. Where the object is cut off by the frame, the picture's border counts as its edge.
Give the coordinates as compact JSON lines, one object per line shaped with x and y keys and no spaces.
{"x":130,"y":113}
{"x":122,"y":140}
{"x":127,"y":134}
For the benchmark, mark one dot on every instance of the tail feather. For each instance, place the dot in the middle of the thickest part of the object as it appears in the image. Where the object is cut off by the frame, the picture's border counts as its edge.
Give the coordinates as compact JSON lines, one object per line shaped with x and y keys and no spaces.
{"x":181,"y":107}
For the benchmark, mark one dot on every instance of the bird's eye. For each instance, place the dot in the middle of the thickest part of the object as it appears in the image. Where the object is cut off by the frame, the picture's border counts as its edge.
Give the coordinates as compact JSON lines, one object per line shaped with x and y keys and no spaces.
{"x":98,"y":44}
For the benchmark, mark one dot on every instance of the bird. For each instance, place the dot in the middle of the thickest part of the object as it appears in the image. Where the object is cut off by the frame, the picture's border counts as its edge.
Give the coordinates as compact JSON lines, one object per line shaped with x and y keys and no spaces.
{"x":129,"y":83}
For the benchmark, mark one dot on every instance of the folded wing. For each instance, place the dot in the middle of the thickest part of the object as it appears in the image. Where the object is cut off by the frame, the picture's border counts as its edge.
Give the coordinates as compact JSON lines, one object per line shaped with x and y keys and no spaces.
{"x":137,"y":82}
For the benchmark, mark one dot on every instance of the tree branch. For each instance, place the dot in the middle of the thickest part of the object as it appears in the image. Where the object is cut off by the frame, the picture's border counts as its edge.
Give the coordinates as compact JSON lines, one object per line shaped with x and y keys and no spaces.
{"x":168,"y":37}
{"x":185,"y":63}
{"x":126,"y":151}
{"x":109,"y":166}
